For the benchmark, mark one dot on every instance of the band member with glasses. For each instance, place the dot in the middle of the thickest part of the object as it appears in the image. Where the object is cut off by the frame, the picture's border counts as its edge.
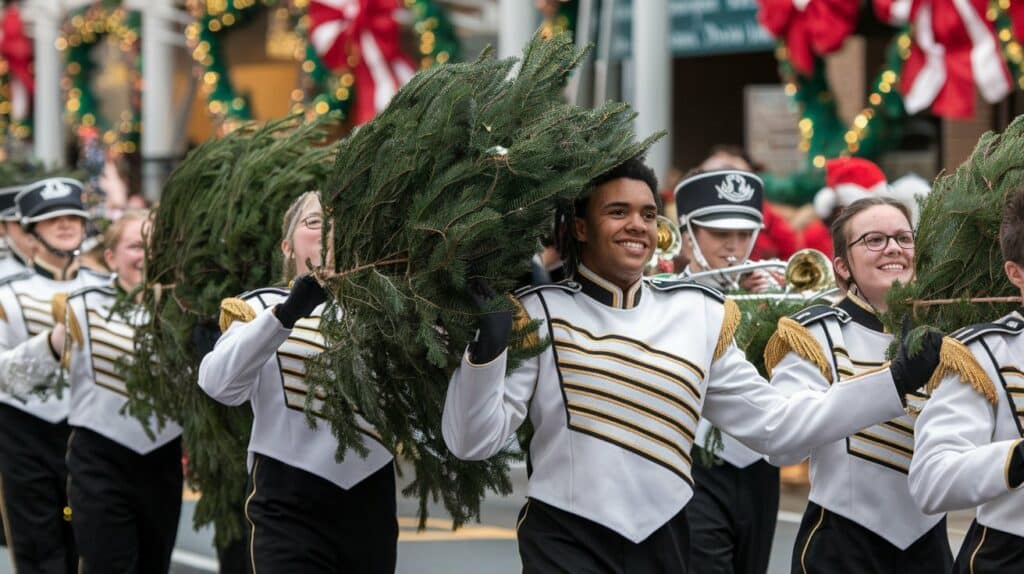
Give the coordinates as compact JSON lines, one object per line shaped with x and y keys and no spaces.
{"x":615,"y":398}
{"x":968,"y":444}
{"x":33,"y":425}
{"x":124,"y":479}
{"x":306,"y":511}
{"x":860,"y":516}
{"x":736,"y":496}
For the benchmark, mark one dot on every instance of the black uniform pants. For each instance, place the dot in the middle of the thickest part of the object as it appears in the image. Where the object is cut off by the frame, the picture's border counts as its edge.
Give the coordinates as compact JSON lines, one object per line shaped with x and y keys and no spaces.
{"x":126,"y":505}
{"x":33,"y":493}
{"x":732,"y":517}
{"x":300,"y":522}
{"x":831,"y":544}
{"x":553,"y":540}
{"x":989,"y":551}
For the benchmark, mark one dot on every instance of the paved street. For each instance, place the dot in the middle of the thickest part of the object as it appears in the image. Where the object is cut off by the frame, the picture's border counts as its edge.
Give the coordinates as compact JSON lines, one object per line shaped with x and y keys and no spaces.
{"x":438,"y":550}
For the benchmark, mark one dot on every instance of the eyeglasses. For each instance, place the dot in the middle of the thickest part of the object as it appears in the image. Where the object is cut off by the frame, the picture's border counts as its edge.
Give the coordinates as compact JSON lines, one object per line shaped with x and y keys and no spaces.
{"x":877,"y":241}
{"x":313,"y":222}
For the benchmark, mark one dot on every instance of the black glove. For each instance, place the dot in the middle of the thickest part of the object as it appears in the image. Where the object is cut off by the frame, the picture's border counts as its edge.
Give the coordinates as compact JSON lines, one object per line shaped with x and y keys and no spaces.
{"x":1015,"y":474}
{"x":912,"y":372}
{"x":493,"y":328}
{"x":305,"y":296}
{"x":204,"y":336}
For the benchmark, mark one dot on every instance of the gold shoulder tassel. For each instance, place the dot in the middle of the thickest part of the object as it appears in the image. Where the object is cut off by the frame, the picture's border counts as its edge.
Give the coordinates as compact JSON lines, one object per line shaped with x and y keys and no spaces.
{"x":59,"y":311}
{"x":3,"y":314}
{"x":729,"y":325}
{"x":956,"y":359}
{"x":792,"y":336}
{"x":520,"y":319}
{"x":234,"y":309}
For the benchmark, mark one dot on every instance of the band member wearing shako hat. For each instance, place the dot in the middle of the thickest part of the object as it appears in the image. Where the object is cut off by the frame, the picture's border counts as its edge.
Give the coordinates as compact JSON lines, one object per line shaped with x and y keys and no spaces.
{"x":15,"y":244}
{"x":33,"y":426}
{"x":733,"y":511}
{"x":721,"y":214}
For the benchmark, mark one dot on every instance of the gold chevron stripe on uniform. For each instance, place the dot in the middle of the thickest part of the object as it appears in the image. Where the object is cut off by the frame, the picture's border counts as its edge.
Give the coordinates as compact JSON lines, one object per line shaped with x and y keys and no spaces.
{"x":636,"y":344}
{"x":628,"y":361}
{"x":631,"y":427}
{"x":629,"y":404}
{"x":634,"y":384}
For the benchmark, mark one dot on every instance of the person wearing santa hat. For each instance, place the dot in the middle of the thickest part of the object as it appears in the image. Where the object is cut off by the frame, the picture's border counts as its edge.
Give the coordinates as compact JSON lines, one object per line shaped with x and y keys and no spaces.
{"x":848,"y":179}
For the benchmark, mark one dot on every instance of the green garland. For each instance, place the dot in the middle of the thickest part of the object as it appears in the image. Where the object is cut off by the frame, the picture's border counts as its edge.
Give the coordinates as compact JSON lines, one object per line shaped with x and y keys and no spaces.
{"x":323,"y":91}
{"x":10,"y":127}
{"x":875,"y":130}
{"x":83,"y":29}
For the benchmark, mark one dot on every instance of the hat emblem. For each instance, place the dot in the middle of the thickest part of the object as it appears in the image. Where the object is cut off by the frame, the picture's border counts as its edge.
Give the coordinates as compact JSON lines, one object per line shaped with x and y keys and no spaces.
{"x":55,"y":189}
{"x":735,"y":188}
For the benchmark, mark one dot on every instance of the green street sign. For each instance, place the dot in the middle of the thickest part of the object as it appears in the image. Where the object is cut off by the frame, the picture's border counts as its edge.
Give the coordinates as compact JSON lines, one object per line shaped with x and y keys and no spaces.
{"x":699,"y":27}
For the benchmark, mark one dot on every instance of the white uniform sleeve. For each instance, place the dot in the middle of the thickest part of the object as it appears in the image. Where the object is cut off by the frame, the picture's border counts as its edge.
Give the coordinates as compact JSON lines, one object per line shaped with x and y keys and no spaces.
{"x":746,"y":406}
{"x":484,"y":407}
{"x":26,"y":365}
{"x":792,"y":375}
{"x":956,"y":464}
{"x":230,"y":371}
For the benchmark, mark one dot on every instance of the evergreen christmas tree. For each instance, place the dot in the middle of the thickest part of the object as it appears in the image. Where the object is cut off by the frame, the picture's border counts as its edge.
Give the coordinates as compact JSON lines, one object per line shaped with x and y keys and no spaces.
{"x":216,"y":234}
{"x":456,"y":181}
{"x":957,"y":244}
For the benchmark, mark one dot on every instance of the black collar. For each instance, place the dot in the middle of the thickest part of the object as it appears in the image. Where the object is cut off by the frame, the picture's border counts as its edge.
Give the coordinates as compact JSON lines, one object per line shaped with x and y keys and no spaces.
{"x":16,"y":255}
{"x":54,"y":273}
{"x":607,"y":293}
{"x":861,"y":312}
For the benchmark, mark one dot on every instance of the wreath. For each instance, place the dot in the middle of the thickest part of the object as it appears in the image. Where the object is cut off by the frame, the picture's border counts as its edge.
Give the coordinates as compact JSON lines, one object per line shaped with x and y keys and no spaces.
{"x":84,"y":28}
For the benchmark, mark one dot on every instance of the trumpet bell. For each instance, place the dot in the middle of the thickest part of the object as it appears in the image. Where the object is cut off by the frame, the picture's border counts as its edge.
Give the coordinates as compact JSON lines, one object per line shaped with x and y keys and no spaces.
{"x":809,"y":270}
{"x":669,"y":241}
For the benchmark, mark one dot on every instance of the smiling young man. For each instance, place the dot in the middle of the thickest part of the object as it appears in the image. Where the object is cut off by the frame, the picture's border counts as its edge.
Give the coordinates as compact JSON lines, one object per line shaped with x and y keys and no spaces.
{"x":614,"y":401}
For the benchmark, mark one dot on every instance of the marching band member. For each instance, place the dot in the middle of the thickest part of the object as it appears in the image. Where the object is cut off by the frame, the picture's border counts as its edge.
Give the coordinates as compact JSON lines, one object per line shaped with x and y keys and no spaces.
{"x":306,"y":511}
{"x":860,"y":516}
{"x":614,"y":400}
{"x":735,"y":501}
{"x":34,"y":428}
{"x":18,"y":246}
{"x":968,"y":444}
{"x":124,"y":485}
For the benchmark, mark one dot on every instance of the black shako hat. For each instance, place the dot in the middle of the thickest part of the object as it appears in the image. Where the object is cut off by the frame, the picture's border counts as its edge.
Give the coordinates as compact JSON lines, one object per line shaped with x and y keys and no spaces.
{"x":726,"y":199}
{"x":49,"y":198}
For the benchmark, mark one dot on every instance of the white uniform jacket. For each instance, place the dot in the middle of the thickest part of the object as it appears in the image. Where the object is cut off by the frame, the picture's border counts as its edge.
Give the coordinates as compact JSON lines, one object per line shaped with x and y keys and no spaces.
{"x":615,"y":399}
{"x":863,"y":476}
{"x":98,"y":394}
{"x":26,"y":360}
{"x":263,"y":362}
{"x":970,"y":426}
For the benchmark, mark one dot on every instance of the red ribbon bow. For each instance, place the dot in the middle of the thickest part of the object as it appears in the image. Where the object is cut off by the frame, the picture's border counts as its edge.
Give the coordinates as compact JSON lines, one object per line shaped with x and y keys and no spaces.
{"x":809,"y":27}
{"x":954,"y":49}
{"x":362,"y":36}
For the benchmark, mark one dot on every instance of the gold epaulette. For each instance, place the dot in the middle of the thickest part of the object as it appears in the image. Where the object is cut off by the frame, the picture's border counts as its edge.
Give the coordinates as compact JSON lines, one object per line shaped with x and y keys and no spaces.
{"x":234,"y":309}
{"x":520,"y":320}
{"x":3,"y":314}
{"x":59,"y":311}
{"x":956,"y":359}
{"x":729,"y":325}
{"x":791,"y":336}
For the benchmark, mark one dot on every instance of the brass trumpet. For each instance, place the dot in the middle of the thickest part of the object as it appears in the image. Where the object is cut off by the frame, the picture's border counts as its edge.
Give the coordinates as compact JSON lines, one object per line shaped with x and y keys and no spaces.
{"x":669,"y":242}
{"x":808,"y":275}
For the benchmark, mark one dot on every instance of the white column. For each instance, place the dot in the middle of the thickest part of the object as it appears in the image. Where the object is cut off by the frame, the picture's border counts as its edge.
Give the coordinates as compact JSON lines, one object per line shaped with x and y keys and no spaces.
{"x":158,"y":144}
{"x":516,"y":25}
{"x":652,"y":89}
{"x":48,"y":101}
